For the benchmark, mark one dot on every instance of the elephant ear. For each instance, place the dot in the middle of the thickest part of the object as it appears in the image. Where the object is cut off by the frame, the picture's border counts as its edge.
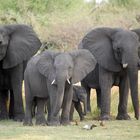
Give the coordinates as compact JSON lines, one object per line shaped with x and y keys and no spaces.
{"x":100,"y":43}
{"x":137,"y":31}
{"x":84,"y":62}
{"x":45,"y":63}
{"x":23,"y":44}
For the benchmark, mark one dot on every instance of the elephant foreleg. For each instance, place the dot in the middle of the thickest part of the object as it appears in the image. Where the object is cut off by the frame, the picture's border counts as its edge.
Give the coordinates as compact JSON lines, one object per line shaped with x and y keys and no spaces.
{"x":71,"y":111}
{"x":78,"y":108}
{"x":66,"y":105}
{"x":52,"y":120}
{"x":16,"y":82}
{"x":105,"y":80}
{"x":11,"y":105}
{"x":123,"y":99}
{"x":3,"y":104}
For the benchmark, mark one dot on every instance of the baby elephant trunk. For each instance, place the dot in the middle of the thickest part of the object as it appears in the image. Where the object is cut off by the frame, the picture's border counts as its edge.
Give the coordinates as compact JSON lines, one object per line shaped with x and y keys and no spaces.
{"x":85,"y":107}
{"x":84,"y":101}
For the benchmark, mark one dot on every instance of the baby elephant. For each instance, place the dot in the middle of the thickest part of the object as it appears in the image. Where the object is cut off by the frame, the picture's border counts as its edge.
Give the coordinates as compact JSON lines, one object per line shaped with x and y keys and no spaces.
{"x":79,"y":95}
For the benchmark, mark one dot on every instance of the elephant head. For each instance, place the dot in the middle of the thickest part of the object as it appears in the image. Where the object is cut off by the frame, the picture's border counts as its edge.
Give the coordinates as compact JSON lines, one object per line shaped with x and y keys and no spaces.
{"x":80,"y":94}
{"x":17,"y":44}
{"x":65,"y":69}
{"x":116,"y":49}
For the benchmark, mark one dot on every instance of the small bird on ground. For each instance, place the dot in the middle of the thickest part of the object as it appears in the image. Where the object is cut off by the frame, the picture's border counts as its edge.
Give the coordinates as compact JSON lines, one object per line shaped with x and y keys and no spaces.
{"x":89,"y":126}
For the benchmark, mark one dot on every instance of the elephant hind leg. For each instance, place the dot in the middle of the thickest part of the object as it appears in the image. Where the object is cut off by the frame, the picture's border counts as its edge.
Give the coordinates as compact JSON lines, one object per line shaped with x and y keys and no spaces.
{"x":40,"y":116}
{"x":28,"y":113}
{"x":88,"y":89}
{"x":98,"y":93}
{"x":11,"y":105}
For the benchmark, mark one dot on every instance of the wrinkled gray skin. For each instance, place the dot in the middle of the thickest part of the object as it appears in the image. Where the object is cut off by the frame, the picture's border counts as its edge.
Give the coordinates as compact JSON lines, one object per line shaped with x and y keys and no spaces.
{"x":79,"y":96}
{"x":51,"y":75}
{"x":116,"y":52}
{"x":91,"y":81}
{"x":17,"y":44}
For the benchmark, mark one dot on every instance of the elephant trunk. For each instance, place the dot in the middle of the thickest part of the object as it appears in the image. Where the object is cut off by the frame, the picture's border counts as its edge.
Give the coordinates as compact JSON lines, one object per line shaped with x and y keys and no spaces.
{"x":133,"y":78}
{"x":131,"y":64}
{"x":83,"y":99}
{"x":60,"y":96}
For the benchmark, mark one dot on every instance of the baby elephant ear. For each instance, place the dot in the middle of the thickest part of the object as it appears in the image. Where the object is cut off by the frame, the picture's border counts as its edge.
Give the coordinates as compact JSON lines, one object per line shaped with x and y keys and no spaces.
{"x":84,"y":63}
{"x":23,"y":44}
{"x":45,"y":63}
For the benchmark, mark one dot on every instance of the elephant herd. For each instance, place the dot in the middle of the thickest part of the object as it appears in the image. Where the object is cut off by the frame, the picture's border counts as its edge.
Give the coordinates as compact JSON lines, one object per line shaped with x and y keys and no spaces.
{"x":105,"y":57}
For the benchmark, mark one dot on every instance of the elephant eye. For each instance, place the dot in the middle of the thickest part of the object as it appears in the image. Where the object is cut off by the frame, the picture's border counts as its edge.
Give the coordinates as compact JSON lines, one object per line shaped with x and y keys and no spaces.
{"x":70,"y":67}
{"x":118,"y":50}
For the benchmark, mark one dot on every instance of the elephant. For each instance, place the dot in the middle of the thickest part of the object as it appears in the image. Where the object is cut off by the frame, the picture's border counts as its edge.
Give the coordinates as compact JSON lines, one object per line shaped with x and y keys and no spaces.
{"x":79,"y":96}
{"x":116,"y":52}
{"x":18,"y":43}
{"x":50,"y":76}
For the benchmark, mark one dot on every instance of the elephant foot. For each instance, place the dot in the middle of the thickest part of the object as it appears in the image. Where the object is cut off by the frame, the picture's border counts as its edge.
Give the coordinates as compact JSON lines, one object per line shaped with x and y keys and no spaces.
{"x":65,"y":121}
{"x":81,"y":118}
{"x":4,"y":117}
{"x":11,"y":117}
{"x":27,"y":122}
{"x":19,"y":117}
{"x":105,"y":117}
{"x":53,"y":121}
{"x":41,"y":121}
{"x":88,"y":110}
{"x":123,"y":117}
{"x":137,"y":115}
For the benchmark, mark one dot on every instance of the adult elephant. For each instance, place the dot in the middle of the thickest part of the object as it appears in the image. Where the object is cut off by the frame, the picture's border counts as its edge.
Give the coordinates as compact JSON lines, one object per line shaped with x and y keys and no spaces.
{"x":52,"y":75}
{"x":17,"y":44}
{"x":116,"y":51}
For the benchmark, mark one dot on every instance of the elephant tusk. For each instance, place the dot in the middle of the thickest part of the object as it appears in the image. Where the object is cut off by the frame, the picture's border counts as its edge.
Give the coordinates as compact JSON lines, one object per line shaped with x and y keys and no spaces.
{"x":125,"y":65}
{"x":53,"y":82}
{"x":68,"y":81}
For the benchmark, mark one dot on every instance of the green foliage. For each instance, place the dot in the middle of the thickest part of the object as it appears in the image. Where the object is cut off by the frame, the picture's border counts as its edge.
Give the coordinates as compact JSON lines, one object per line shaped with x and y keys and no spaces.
{"x":39,"y":6}
{"x":125,"y":3}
